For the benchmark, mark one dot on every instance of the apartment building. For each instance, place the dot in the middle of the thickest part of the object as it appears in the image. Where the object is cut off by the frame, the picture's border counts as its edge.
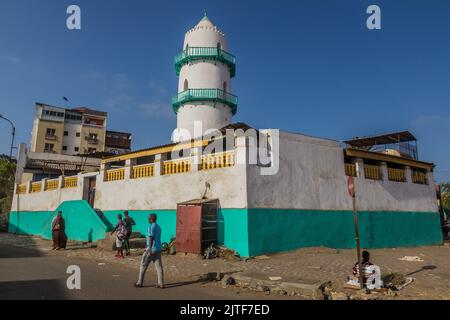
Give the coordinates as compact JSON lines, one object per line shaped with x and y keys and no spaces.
{"x":118,"y":142}
{"x":69,"y":131}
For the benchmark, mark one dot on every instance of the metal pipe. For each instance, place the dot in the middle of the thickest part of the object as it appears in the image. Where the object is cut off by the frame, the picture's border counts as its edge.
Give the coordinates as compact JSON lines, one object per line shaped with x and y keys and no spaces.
{"x":13,"y":134}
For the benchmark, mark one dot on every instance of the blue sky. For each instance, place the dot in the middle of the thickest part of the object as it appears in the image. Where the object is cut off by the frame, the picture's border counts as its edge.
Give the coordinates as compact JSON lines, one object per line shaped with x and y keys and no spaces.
{"x":303,"y":66}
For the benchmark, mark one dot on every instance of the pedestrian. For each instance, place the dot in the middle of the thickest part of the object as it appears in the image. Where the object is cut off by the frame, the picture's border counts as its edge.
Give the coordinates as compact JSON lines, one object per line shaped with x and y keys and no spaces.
{"x":59,"y":232}
{"x":152,"y":253}
{"x":129,"y":222}
{"x":121,"y":230}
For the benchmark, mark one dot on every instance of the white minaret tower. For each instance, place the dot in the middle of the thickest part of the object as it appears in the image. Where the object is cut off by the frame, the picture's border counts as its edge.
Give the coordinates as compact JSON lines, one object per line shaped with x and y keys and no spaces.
{"x":205,"y":69}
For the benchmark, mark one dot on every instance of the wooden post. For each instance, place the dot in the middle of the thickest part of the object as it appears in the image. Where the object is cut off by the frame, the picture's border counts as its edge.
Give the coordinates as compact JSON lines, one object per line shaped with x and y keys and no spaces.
{"x":358,"y":249}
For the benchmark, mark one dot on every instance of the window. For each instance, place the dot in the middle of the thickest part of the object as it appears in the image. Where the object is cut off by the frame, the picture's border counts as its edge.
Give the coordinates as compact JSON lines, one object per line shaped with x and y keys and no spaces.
{"x":64,"y":148}
{"x":93,"y":136}
{"x":225,"y":86}
{"x":219,"y":46}
{"x":76,"y":149}
{"x":50,"y":132}
{"x":92,"y":150}
{"x":66,"y":133}
{"x":78,"y":134}
{"x":186,"y":84}
{"x":48,"y":147}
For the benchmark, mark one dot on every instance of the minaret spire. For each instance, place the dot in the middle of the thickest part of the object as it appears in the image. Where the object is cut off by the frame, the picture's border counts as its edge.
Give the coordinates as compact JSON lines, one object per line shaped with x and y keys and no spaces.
{"x":205,"y":69}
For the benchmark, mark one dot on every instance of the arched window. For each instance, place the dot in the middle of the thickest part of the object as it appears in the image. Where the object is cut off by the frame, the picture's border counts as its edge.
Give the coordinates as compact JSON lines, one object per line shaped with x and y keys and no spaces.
{"x":219,"y":46}
{"x":225,"y":86}
{"x":186,"y":84}
{"x":187,"y":46}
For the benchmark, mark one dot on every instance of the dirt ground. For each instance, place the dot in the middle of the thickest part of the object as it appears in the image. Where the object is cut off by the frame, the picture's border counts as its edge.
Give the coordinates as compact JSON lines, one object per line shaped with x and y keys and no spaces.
{"x":431,"y":275}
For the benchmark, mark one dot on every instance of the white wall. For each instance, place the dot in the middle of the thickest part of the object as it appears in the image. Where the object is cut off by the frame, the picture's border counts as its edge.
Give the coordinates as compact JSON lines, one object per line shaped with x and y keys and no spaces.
{"x":164,"y":192}
{"x":71,"y":141}
{"x":44,"y":201}
{"x":312,"y":176}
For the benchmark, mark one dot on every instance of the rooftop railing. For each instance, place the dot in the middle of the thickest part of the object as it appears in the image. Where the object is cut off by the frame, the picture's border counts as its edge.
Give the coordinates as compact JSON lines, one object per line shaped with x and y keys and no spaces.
{"x":216,"y":95}
{"x":211,"y":53}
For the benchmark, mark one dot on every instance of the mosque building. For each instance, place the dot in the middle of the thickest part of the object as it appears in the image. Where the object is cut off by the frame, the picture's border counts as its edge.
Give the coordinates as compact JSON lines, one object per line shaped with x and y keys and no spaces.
{"x":253,"y":191}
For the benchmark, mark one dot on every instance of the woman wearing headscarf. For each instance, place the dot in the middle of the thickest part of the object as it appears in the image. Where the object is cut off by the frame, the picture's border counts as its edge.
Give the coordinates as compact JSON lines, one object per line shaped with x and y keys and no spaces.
{"x":59,"y":232}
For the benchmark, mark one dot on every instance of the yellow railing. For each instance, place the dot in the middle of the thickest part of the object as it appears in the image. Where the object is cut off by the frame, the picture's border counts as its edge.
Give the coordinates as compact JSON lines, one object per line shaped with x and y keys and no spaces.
{"x":70,"y":182}
{"x":115,"y":174}
{"x":22,"y":188}
{"x":177,"y":166}
{"x":372,"y":172}
{"x":51,"y":184}
{"x":36,"y":186}
{"x":396,"y":175}
{"x":143,"y":171}
{"x":350,"y":169}
{"x":419,"y":177}
{"x":217,"y":160}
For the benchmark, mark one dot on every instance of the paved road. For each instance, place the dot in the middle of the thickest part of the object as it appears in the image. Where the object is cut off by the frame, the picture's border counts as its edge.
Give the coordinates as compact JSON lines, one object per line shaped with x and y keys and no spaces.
{"x":31,"y":274}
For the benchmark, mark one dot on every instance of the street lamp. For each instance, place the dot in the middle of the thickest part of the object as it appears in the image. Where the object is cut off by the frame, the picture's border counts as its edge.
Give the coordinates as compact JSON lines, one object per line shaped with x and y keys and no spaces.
{"x":13,"y":134}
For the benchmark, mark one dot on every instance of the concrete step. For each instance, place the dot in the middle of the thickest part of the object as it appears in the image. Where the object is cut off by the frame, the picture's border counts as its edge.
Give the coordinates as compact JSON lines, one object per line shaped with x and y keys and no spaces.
{"x":308,"y":288}
{"x":110,"y":242}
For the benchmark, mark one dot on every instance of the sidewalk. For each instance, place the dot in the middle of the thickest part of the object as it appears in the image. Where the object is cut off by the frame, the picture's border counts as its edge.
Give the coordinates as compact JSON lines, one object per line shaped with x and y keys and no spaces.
{"x":310,"y":265}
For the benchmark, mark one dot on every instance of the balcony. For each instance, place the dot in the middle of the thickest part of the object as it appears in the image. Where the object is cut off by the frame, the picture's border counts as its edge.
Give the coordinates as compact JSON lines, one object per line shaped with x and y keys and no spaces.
{"x":51,"y":137}
{"x":93,"y":141}
{"x":210,"y":53}
{"x":215,"y":95}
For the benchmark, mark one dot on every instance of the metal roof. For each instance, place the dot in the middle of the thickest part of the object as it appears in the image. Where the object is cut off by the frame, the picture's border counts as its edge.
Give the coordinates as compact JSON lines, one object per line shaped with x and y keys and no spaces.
{"x":396,"y":137}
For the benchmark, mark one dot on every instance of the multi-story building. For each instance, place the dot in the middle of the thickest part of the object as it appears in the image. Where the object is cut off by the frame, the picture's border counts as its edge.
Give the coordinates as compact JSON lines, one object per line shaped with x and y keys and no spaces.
{"x":73,"y":131}
{"x":117,"y":142}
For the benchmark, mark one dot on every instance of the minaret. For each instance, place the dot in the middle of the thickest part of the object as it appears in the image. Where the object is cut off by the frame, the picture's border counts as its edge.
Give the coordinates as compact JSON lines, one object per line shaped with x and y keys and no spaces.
{"x":205,"y":69}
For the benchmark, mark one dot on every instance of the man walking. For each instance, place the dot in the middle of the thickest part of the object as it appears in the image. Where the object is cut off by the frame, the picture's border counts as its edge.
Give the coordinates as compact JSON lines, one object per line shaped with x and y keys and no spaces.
{"x":152,"y":253}
{"x":129,"y":223}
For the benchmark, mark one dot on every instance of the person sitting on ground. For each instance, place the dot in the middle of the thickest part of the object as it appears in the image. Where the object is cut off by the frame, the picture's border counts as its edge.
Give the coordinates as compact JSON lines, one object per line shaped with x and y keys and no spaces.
{"x":129,"y":222}
{"x":121,"y":230}
{"x":371,"y":273}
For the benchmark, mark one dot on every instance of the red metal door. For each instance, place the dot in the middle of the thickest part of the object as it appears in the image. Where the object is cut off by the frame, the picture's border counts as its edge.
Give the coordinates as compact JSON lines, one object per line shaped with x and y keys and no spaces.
{"x":189,"y":228}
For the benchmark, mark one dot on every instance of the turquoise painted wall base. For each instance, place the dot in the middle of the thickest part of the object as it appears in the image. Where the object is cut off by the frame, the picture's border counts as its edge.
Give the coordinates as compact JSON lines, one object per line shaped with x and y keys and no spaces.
{"x":275,"y":230}
{"x":82,"y":222}
{"x":252,"y":232}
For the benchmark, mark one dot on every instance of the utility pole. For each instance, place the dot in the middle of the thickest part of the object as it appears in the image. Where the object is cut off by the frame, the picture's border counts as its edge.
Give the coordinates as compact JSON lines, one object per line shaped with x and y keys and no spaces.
{"x":13,"y":134}
{"x":352,"y":193}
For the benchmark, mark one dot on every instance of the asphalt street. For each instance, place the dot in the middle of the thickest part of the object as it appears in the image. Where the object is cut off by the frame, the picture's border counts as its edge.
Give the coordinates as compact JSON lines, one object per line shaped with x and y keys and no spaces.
{"x":27,"y":273}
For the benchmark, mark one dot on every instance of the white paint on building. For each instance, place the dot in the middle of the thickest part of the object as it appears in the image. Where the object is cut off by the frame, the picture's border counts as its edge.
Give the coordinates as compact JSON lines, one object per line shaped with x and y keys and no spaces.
{"x":203,"y":74}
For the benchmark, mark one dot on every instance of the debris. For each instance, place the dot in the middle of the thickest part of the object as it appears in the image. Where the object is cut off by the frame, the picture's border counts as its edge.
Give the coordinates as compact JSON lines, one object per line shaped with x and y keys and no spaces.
{"x":228,"y":254}
{"x":263,"y":257}
{"x":338,"y":296}
{"x":408,"y":281}
{"x":101,"y":263}
{"x":275,"y":278}
{"x":262,"y":288}
{"x":214,"y":276}
{"x":211,"y":252}
{"x":411,"y":258}
{"x":396,"y":281}
{"x":228,"y":281}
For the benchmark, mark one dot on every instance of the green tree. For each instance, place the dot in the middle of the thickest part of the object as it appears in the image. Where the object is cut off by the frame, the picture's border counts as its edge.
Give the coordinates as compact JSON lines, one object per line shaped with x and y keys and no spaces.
{"x":7,"y":171}
{"x":445,"y":192}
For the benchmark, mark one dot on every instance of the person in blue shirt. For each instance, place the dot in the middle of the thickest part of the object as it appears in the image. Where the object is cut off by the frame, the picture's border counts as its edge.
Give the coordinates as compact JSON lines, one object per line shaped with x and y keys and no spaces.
{"x":152,"y":253}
